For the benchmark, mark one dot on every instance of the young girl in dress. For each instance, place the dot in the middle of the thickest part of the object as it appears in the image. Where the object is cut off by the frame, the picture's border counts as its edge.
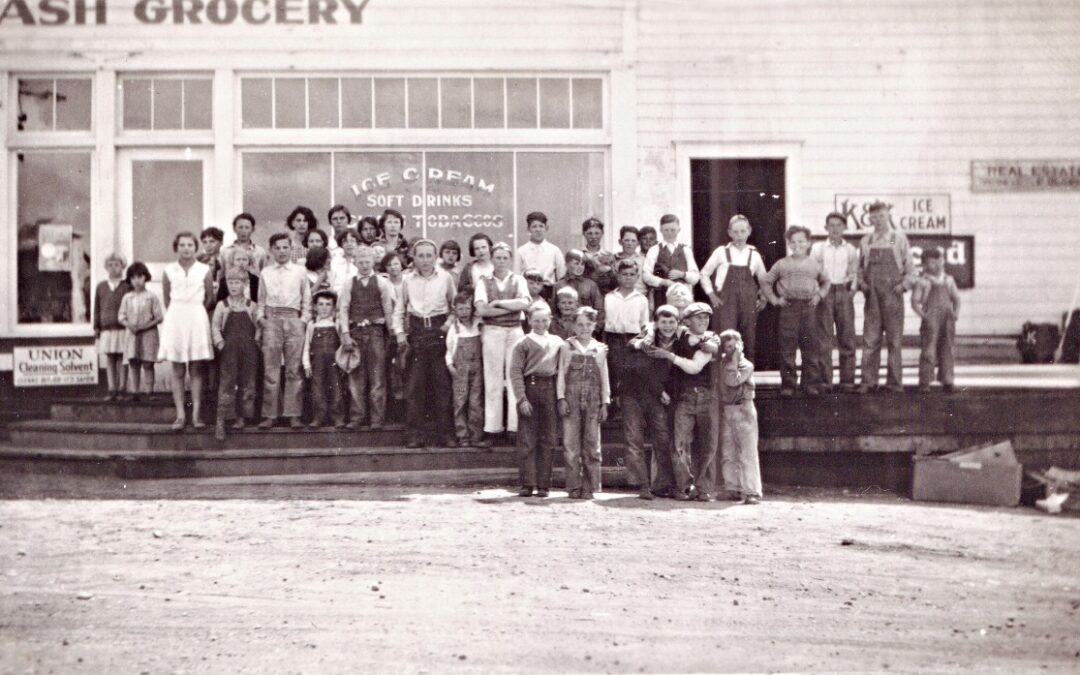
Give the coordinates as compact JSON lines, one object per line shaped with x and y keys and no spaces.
{"x":140,"y":312}
{"x":107,"y":328}
{"x":185,"y":333}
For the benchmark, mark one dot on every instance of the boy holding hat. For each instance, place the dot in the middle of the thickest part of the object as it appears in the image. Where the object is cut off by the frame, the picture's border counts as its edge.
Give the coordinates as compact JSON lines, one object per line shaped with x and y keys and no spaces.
{"x":321,"y":342}
{"x":365,"y":311}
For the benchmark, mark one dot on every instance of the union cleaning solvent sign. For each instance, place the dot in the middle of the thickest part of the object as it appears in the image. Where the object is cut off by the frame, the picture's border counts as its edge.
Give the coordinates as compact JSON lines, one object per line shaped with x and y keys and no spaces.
{"x":47,"y":366}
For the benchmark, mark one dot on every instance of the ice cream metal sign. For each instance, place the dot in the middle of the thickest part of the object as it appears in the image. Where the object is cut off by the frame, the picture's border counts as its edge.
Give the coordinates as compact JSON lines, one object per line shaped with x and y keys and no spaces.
{"x":182,"y":12}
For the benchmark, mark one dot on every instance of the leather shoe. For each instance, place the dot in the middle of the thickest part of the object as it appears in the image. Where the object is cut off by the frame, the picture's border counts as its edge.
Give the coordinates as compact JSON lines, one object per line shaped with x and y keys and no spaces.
{"x":542,"y":492}
{"x":525,"y":492}
{"x":413,"y":443}
{"x":645,"y":493}
{"x":267,"y":423}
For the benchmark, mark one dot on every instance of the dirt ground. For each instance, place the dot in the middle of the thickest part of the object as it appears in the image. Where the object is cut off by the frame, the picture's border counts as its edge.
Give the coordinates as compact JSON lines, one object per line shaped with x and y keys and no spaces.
{"x":355,"y":579}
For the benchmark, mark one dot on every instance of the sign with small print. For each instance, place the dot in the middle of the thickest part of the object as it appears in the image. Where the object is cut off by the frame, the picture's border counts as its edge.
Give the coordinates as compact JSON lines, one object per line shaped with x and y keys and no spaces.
{"x":959,"y":252}
{"x":913,"y":213}
{"x":1024,"y":175}
{"x":48,"y":366}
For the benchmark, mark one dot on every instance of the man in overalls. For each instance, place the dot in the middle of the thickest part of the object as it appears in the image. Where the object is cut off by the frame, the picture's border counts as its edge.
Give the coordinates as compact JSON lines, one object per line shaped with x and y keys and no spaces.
{"x":887,"y":272}
{"x":734,"y":290}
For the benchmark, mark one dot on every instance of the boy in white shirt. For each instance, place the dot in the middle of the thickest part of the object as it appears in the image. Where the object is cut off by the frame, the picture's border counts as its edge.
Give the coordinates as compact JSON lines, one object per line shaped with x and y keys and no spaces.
{"x":626,"y":313}
{"x":836,"y":312}
{"x":734,"y":291}
{"x":540,"y":254}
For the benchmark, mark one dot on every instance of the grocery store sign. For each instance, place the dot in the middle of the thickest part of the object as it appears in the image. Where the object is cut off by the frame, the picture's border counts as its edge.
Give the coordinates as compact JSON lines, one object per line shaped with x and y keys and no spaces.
{"x":46,"y":366}
{"x":180,"y":12}
{"x":914,"y":213}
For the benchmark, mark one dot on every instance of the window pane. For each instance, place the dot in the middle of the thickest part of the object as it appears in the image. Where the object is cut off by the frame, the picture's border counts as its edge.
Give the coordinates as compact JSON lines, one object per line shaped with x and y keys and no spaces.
{"x":255,"y":103}
{"x":36,"y":105}
{"x":369,"y":182}
{"x":53,"y":215}
{"x":356,"y":102}
{"x":167,"y":197}
{"x":136,"y":103}
{"x":456,"y":103}
{"x":521,"y":103}
{"x":73,"y":104}
{"x":276,"y":182}
{"x":198,"y":104}
{"x":389,"y":102}
{"x":588,"y":104}
{"x":423,"y":103}
{"x":555,"y":103}
{"x":567,"y":186}
{"x":289,"y":105}
{"x":167,"y":104}
{"x":490,"y":103}
{"x":323,"y":102}
{"x":470,"y":192}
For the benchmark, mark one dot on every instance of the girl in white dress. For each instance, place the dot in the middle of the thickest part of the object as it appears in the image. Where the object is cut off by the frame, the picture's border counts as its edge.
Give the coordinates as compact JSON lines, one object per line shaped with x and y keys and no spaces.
{"x":185,"y":333}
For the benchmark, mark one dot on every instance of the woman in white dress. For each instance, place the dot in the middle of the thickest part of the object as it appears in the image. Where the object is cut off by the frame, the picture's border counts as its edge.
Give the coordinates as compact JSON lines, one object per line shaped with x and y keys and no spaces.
{"x":185,"y":333}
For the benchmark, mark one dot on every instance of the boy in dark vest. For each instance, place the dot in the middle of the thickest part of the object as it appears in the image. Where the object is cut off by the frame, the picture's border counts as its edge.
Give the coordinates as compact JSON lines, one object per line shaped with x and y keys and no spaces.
{"x":732,"y":277}
{"x":365,"y":311}
{"x":669,"y":262}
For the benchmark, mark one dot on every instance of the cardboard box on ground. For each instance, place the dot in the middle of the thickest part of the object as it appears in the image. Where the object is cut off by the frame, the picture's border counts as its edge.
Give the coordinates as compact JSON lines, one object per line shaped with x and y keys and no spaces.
{"x":985,"y":474}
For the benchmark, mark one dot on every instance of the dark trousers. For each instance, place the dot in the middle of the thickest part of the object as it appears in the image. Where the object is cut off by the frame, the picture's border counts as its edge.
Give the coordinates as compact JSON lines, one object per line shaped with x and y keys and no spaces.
{"x":698,"y":418}
{"x":326,"y":403}
{"x":798,"y":330}
{"x":367,"y":382}
{"x":468,"y":382}
{"x":648,"y":469}
{"x":618,"y":344}
{"x":427,"y":388}
{"x":237,"y":367}
{"x":536,"y":433}
{"x":836,"y":320}
{"x":883,"y":316}
{"x":739,"y":311}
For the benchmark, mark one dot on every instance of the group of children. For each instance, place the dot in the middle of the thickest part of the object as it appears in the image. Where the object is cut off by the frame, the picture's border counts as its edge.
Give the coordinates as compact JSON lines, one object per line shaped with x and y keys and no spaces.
{"x":535,"y":342}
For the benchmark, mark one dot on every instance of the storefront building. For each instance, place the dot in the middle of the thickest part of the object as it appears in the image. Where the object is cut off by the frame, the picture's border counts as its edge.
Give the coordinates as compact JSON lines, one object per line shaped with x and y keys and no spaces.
{"x":126,"y":121}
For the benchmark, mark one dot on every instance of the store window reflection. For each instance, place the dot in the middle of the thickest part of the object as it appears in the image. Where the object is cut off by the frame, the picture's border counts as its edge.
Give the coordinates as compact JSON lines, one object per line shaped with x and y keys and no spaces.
{"x":53,"y":216}
{"x":276,"y":182}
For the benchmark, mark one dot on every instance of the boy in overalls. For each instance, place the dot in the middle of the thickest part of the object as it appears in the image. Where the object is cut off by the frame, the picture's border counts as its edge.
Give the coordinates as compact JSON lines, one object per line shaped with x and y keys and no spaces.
{"x":583,"y":395}
{"x":321,"y":343}
{"x":936,"y":300}
{"x":236,"y":337}
{"x":887,"y":271}
{"x":732,"y":277}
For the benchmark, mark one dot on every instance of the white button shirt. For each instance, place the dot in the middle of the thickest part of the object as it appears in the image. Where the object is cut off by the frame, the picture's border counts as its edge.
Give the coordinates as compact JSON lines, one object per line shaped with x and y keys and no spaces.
{"x":545,"y":257}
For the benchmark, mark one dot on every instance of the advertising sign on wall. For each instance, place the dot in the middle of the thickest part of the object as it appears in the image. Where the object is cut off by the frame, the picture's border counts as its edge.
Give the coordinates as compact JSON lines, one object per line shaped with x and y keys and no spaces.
{"x":1020,"y":175}
{"x":48,"y":366}
{"x":959,"y":252}
{"x":914,"y":213}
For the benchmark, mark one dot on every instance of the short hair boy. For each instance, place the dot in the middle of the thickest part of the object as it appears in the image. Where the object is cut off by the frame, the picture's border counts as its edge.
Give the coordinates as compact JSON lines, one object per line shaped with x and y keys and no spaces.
{"x":936,"y":299}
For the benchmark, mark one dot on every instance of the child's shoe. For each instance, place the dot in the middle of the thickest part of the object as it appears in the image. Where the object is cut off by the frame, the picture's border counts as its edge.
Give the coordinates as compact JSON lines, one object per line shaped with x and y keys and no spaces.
{"x":865,"y":388}
{"x":751,"y":500}
{"x":315,"y":424}
{"x":340,"y":424}
{"x":584,"y":495}
{"x":481,"y":442}
{"x":813,"y":390}
{"x":295,"y":423}
{"x":645,"y":493}
{"x":219,"y":431}
{"x":787,"y":392}
{"x":525,"y":491}
{"x":267,"y":423}
{"x":239,"y":424}
{"x":574,"y":494}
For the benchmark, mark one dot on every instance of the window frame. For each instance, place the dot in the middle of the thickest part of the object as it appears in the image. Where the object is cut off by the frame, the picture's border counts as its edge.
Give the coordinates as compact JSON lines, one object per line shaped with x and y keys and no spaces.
{"x":426,"y":137}
{"x":45,"y":139}
{"x":126,"y":137}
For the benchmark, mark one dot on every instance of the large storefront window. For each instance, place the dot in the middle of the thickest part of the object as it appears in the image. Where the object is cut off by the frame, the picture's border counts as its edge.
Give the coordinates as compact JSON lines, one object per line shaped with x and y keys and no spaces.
{"x":442,"y":194}
{"x":53,"y":217}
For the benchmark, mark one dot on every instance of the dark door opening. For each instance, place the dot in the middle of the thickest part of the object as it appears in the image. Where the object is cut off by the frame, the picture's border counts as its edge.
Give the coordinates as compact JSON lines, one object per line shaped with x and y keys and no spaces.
{"x":720,"y":188}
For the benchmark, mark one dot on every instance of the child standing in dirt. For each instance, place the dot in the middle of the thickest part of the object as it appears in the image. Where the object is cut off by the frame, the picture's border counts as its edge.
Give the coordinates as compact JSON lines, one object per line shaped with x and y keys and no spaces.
{"x":534,"y":363}
{"x":583,"y":393}
{"x":739,"y":438}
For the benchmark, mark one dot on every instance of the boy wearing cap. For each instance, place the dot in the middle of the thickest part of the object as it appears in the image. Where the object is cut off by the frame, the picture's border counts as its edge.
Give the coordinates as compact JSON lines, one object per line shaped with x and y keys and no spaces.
{"x":936,"y":300}
{"x":732,"y":277}
{"x":588,"y":292}
{"x":235,"y":331}
{"x":836,"y":312}
{"x":697,"y":407}
{"x":365,"y":310}
{"x":321,"y":343}
{"x":534,"y":364}
{"x":540,"y":254}
{"x":796,"y":284}
{"x":886,"y":271}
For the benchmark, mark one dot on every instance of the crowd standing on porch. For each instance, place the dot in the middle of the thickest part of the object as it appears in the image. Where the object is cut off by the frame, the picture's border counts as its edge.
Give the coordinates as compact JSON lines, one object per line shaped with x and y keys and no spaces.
{"x":355,"y":327}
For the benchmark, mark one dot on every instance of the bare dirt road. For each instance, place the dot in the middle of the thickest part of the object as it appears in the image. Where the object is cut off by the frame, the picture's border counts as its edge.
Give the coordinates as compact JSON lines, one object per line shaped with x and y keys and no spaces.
{"x":403,"y":580}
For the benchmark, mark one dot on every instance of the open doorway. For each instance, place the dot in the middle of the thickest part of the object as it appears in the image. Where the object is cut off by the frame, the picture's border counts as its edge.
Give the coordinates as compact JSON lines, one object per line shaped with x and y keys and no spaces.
{"x":719,"y":189}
